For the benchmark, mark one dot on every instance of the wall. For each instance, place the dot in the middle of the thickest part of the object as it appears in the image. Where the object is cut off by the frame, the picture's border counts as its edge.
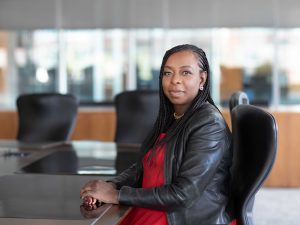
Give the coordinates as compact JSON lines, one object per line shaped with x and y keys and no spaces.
{"x":94,"y":125}
{"x":34,"y":14}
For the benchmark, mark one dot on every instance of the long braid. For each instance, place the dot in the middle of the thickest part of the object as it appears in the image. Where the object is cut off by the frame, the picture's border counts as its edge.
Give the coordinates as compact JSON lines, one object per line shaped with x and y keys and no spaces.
{"x":165,"y":120}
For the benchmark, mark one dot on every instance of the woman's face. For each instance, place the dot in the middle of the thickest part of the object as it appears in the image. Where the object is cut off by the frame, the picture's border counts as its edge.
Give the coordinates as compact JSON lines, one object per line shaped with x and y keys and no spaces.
{"x":182,"y":78}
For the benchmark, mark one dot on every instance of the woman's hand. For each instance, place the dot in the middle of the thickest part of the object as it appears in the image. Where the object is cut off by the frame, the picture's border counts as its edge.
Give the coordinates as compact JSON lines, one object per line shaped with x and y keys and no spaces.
{"x":93,"y":211}
{"x":100,"y":190}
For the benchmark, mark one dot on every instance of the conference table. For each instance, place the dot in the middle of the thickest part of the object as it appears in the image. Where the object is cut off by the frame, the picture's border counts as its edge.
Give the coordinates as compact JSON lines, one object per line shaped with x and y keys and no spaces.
{"x":40,"y":183}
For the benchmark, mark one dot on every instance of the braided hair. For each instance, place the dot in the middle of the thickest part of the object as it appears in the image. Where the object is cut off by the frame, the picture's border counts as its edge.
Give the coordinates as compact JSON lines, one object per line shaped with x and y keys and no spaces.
{"x":165,"y":120}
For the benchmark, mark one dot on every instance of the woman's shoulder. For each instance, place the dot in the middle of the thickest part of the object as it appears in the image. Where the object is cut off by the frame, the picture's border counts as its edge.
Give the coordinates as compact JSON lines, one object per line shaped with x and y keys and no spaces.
{"x":207,"y":114}
{"x":207,"y":111}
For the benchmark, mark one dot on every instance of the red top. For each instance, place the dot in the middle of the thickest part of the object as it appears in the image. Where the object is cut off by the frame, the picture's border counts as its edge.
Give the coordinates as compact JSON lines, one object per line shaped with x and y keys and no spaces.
{"x":153,"y":177}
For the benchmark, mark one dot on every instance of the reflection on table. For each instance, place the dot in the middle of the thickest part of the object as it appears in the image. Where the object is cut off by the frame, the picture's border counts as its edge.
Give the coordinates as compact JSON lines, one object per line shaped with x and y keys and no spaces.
{"x":81,"y":157}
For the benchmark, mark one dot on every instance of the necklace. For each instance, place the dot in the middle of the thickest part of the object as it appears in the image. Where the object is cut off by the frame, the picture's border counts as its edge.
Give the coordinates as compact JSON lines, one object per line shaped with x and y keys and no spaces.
{"x":177,"y":117}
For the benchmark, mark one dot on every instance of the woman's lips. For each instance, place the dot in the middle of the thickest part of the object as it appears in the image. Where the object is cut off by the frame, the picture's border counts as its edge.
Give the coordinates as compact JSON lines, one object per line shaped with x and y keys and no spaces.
{"x":176,"y":93}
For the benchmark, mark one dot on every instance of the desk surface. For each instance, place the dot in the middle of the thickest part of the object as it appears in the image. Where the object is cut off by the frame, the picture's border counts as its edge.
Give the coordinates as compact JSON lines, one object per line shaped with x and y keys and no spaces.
{"x":39,"y":185}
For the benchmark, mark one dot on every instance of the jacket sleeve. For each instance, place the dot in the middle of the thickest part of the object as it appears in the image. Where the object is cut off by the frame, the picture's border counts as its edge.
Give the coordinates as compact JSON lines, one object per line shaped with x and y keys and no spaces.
{"x":206,"y":141}
{"x":126,"y":178}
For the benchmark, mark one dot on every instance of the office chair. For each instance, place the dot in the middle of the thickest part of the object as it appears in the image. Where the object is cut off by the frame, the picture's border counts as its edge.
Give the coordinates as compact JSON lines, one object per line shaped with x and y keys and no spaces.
{"x":136,"y":113}
{"x":238,"y":98}
{"x":46,"y":117}
{"x":254,"y":150}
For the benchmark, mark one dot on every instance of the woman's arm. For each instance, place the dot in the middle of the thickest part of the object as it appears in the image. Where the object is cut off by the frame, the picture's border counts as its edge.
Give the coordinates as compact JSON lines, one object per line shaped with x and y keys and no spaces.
{"x":126,"y":178}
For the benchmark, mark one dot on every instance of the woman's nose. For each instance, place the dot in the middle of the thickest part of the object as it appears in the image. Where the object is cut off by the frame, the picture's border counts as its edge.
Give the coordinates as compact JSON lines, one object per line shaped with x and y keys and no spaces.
{"x":176,"y":78}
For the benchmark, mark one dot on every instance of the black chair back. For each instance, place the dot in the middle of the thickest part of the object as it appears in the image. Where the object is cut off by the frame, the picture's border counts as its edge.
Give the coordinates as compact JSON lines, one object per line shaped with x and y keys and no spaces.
{"x":136,"y":113}
{"x":46,"y":117}
{"x":254,"y":150}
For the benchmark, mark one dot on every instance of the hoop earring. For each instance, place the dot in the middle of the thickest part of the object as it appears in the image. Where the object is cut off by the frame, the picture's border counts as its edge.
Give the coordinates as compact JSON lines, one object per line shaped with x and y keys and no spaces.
{"x":201,"y":88}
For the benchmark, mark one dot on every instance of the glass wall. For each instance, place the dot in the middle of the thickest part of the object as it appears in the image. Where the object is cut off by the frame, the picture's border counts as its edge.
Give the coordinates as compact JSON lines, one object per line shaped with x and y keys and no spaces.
{"x":288,"y":66}
{"x":94,"y":63}
{"x":35,"y":60}
{"x":245,"y":58}
{"x":97,"y":64}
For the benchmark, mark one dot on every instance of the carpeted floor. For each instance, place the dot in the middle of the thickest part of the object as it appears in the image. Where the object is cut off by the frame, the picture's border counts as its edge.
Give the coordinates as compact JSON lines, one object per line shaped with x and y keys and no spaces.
{"x":277,"y":206}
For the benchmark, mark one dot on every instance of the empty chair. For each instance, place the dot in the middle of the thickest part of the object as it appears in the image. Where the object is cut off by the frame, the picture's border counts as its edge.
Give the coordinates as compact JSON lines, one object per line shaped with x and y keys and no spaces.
{"x":46,"y":117}
{"x":136,"y":113}
{"x":254,"y":150}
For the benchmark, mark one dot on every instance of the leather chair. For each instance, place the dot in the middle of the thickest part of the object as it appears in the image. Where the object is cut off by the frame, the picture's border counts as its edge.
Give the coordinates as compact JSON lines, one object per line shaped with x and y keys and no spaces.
{"x":46,"y":117}
{"x":136,"y":113}
{"x":238,"y":98}
{"x":254,"y":151}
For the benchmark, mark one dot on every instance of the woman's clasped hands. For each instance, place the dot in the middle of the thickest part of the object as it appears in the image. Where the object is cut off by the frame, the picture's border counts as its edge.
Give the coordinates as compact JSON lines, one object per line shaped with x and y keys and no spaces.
{"x":98,"y":191}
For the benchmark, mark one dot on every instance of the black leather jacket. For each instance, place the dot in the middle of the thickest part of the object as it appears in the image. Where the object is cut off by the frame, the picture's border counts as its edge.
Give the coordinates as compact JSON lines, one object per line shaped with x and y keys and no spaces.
{"x":196,"y":178}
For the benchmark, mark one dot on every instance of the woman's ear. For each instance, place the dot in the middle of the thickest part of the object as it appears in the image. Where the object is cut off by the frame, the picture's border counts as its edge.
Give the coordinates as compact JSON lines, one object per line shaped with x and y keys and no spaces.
{"x":203,"y":78}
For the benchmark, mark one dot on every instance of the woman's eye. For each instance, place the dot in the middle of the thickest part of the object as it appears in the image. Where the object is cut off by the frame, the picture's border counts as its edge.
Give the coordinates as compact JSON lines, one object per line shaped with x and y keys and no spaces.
{"x":166,"y":73}
{"x":186,"y":73}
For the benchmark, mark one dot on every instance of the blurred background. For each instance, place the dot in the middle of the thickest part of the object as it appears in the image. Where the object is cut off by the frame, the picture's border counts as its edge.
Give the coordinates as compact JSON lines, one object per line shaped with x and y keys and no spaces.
{"x":95,"y":49}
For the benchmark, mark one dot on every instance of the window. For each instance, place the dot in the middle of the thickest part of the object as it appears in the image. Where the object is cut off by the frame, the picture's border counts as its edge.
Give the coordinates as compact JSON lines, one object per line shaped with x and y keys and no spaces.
{"x":97,"y":64}
{"x":245,"y":57}
{"x":288,"y":67}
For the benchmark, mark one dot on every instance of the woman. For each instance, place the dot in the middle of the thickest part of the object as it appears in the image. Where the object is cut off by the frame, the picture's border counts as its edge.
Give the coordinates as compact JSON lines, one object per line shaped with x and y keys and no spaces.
{"x":183,"y":175}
